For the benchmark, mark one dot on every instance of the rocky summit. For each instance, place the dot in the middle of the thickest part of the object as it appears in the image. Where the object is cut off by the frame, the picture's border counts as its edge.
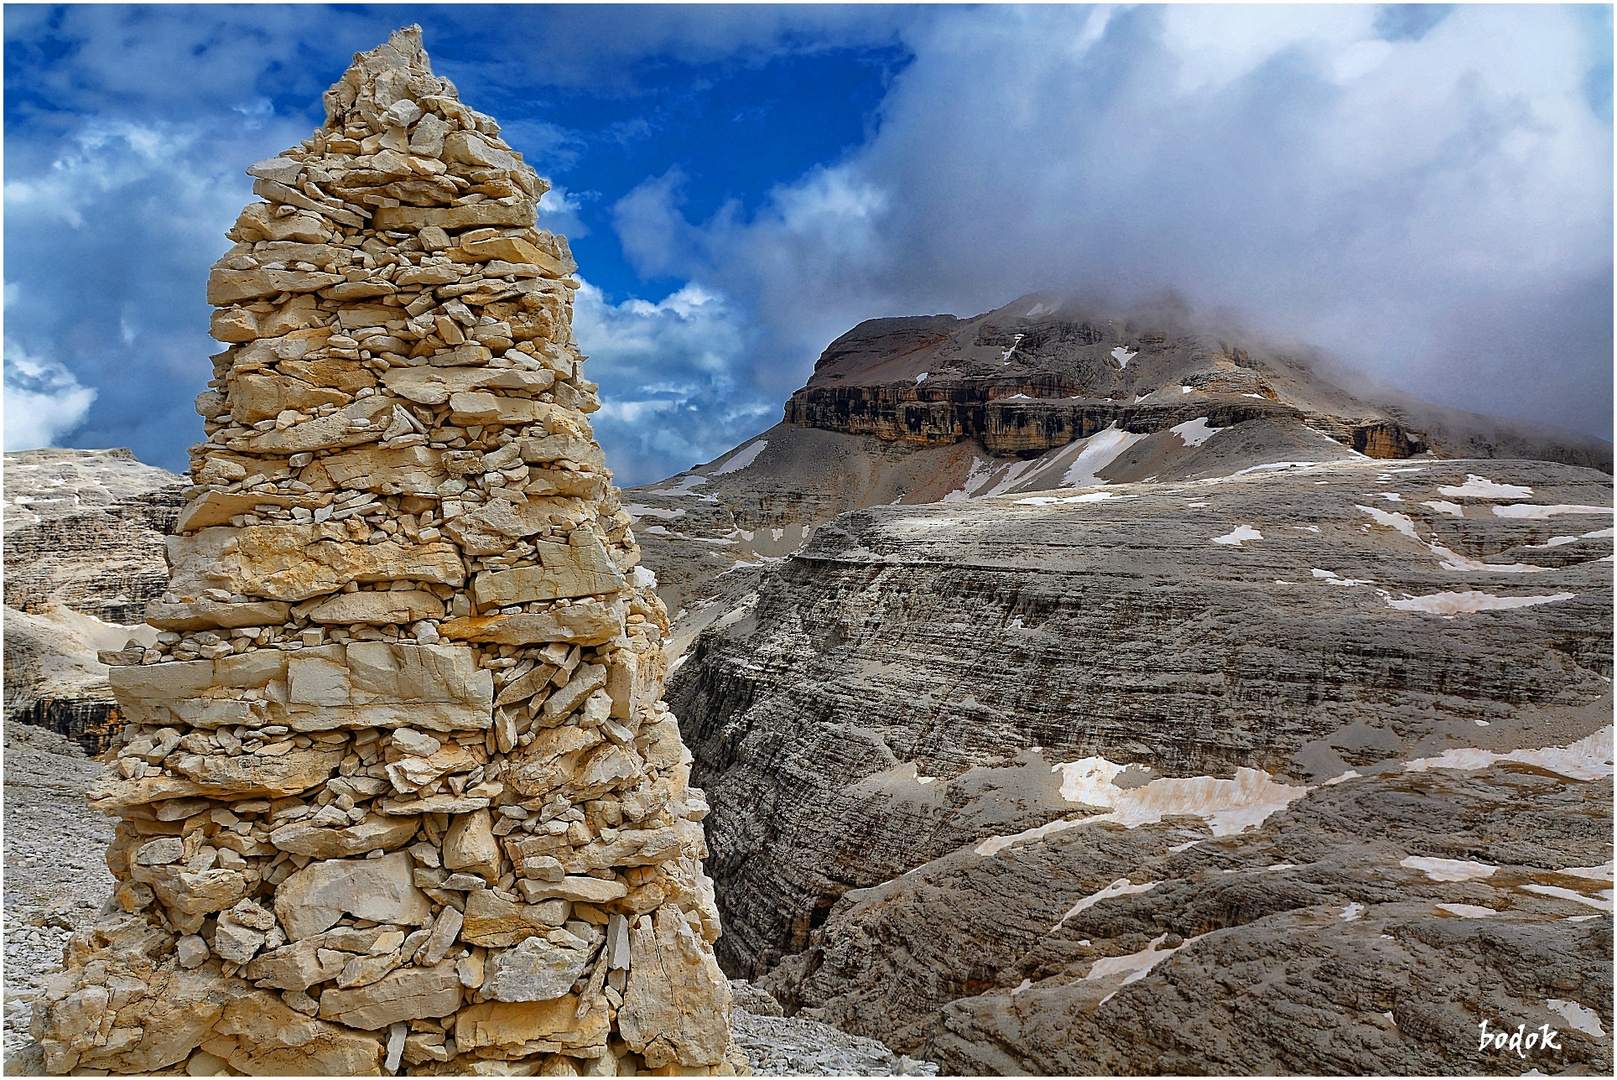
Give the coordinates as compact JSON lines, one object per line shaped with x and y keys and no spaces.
{"x":1039,"y":395}
{"x":397,"y":787}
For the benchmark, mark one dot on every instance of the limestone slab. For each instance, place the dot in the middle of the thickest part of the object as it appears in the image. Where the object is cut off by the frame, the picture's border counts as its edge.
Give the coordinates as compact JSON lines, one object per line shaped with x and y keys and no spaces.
{"x":296,"y":562}
{"x":378,"y":608}
{"x":314,"y":898}
{"x":407,"y":994}
{"x":590,"y":622}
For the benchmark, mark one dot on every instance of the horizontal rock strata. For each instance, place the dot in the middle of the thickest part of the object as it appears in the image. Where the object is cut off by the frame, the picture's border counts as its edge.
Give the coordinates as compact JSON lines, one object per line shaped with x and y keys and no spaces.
{"x":921,"y":681}
{"x":397,"y":788}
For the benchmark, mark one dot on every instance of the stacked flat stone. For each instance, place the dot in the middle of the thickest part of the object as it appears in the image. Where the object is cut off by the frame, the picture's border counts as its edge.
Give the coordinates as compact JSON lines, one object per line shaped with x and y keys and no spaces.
{"x":397,"y":788}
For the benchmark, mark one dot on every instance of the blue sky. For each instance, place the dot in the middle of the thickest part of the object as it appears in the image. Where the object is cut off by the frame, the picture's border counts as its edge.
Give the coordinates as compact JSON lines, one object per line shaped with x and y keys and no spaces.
{"x":1424,"y":191}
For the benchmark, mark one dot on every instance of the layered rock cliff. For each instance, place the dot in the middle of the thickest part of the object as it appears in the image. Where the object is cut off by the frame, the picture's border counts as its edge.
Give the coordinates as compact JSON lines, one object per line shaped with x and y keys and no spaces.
{"x":1080,"y":781}
{"x":1034,"y":396}
{"x":84,"y":555}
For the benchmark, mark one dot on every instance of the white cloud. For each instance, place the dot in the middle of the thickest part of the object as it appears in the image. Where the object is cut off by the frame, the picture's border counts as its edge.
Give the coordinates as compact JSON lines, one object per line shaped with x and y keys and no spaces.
{"x":42,"y":400}
{"x":1384,"y":199}
{"x":672,"y":377}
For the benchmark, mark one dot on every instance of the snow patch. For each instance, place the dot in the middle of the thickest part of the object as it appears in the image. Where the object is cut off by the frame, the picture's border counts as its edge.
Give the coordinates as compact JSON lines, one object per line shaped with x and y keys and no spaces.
{"x":1120,"y":887}
{"x":921,"y":378}
{"x":1195,"y":432}
{"x":1100,"y":450}
{"x":1599,"y":534}
{"x":1228,"y":806}
{"x":1601,"y":902}
{"x":1134,"y":966}
{"x":741,"y":459}
{"x":1465,"y":603}
{"x":1352,"y":911}
{"x":1399,"y":522}
{"x":1554,"y":541}
{"x":1093,"y":496}
{"x":1468,"y":911}
{"x":1534,"y":512}
{"x":636,"y":511}
{"x":1017,"y":340}
{"x":1448,"y":869}
{"x":1330,"y":578}
{"x":685,"y":486}
{"x":1184,"y":389}
{"x":1480,"y":487}
{"x":1267,"y":466}
{"x":1123,"y":356}
{"x":1238,"y":535}
{"x":1587,"y":759}
{"x":1454,"y":561}
{"x":1579,"y":1018}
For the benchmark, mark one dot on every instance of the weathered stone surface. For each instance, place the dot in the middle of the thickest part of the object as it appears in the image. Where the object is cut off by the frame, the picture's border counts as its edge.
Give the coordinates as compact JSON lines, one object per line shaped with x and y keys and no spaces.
{"x":410,"y":470}
{"x":296,"y":562}
{"x":406,"y":994}
{"x":541,"y":968}
{"x":434,"y":385}
{"x":273,"y":1040}
{"x":493,"y":921}
{"x":585,"y":623}
{"x":378,"y":608}
{"x":581,"y":567}
{"x":217,"y":508}
{"x":246,"y":776}
{"x":375,"y":833}
{"x":492,"y":528}
{"x":314,"y":898}
{"x":469,"y":845}
{"x":677,"y":1006}
{"x":503,"y":1024}
{"x":208,"y":614}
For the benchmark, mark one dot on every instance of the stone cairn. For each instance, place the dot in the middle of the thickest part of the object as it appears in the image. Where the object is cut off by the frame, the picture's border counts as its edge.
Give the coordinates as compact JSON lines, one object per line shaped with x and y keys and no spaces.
{"x":397,"y":788}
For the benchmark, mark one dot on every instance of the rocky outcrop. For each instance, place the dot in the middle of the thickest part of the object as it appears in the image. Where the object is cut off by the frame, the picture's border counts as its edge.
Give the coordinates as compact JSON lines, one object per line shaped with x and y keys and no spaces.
{"x":1031,"y":398}
{"x":84,"y":554}
{"x":396,"y":785}
{"x":937,"y":730}
{"x":1035,"y":375}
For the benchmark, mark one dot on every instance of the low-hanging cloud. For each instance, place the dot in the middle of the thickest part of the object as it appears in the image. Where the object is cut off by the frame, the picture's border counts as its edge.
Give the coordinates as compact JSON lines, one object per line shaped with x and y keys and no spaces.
{"x":1435,"y":208}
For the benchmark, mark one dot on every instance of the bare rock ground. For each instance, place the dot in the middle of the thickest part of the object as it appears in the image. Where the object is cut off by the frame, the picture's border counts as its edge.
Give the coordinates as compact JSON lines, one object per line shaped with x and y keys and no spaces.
{"x":55,"y":877}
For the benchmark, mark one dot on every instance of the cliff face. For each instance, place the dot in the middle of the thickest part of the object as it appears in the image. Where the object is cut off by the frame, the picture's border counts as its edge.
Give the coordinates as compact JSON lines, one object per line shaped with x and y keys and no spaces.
{"x":1030,"y":398}
{"x":1033,"y":375}
{"x":84,"y":554}
{"x":937,"y":729}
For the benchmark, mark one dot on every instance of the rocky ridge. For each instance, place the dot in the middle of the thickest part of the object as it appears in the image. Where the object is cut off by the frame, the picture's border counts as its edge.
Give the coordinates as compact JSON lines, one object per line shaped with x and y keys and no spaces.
{"x":1154,"y":751}
{"x":1038,"y":395}
{"x":83,"y":554}
{"x":397,"y":786}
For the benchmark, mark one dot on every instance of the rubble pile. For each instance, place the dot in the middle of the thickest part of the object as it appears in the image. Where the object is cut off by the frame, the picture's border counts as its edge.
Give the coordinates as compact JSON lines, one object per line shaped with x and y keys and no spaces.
{"x":397,"y":787}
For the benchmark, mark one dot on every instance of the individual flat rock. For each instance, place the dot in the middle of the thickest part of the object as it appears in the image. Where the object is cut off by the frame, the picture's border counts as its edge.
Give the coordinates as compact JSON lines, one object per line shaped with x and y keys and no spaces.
{"x":381,"y":890}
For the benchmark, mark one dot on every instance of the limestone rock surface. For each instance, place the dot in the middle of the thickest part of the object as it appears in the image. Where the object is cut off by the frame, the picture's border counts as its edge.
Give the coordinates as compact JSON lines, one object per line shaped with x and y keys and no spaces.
{"x":84,"y":553}
{"x":1092,"y":681}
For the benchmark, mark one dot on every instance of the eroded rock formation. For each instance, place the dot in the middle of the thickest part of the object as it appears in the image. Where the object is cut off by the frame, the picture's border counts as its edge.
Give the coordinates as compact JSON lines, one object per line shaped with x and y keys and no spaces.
{"x":397,"y":786}
{"x":1301,"y":770}
{"x":84,"y":554}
